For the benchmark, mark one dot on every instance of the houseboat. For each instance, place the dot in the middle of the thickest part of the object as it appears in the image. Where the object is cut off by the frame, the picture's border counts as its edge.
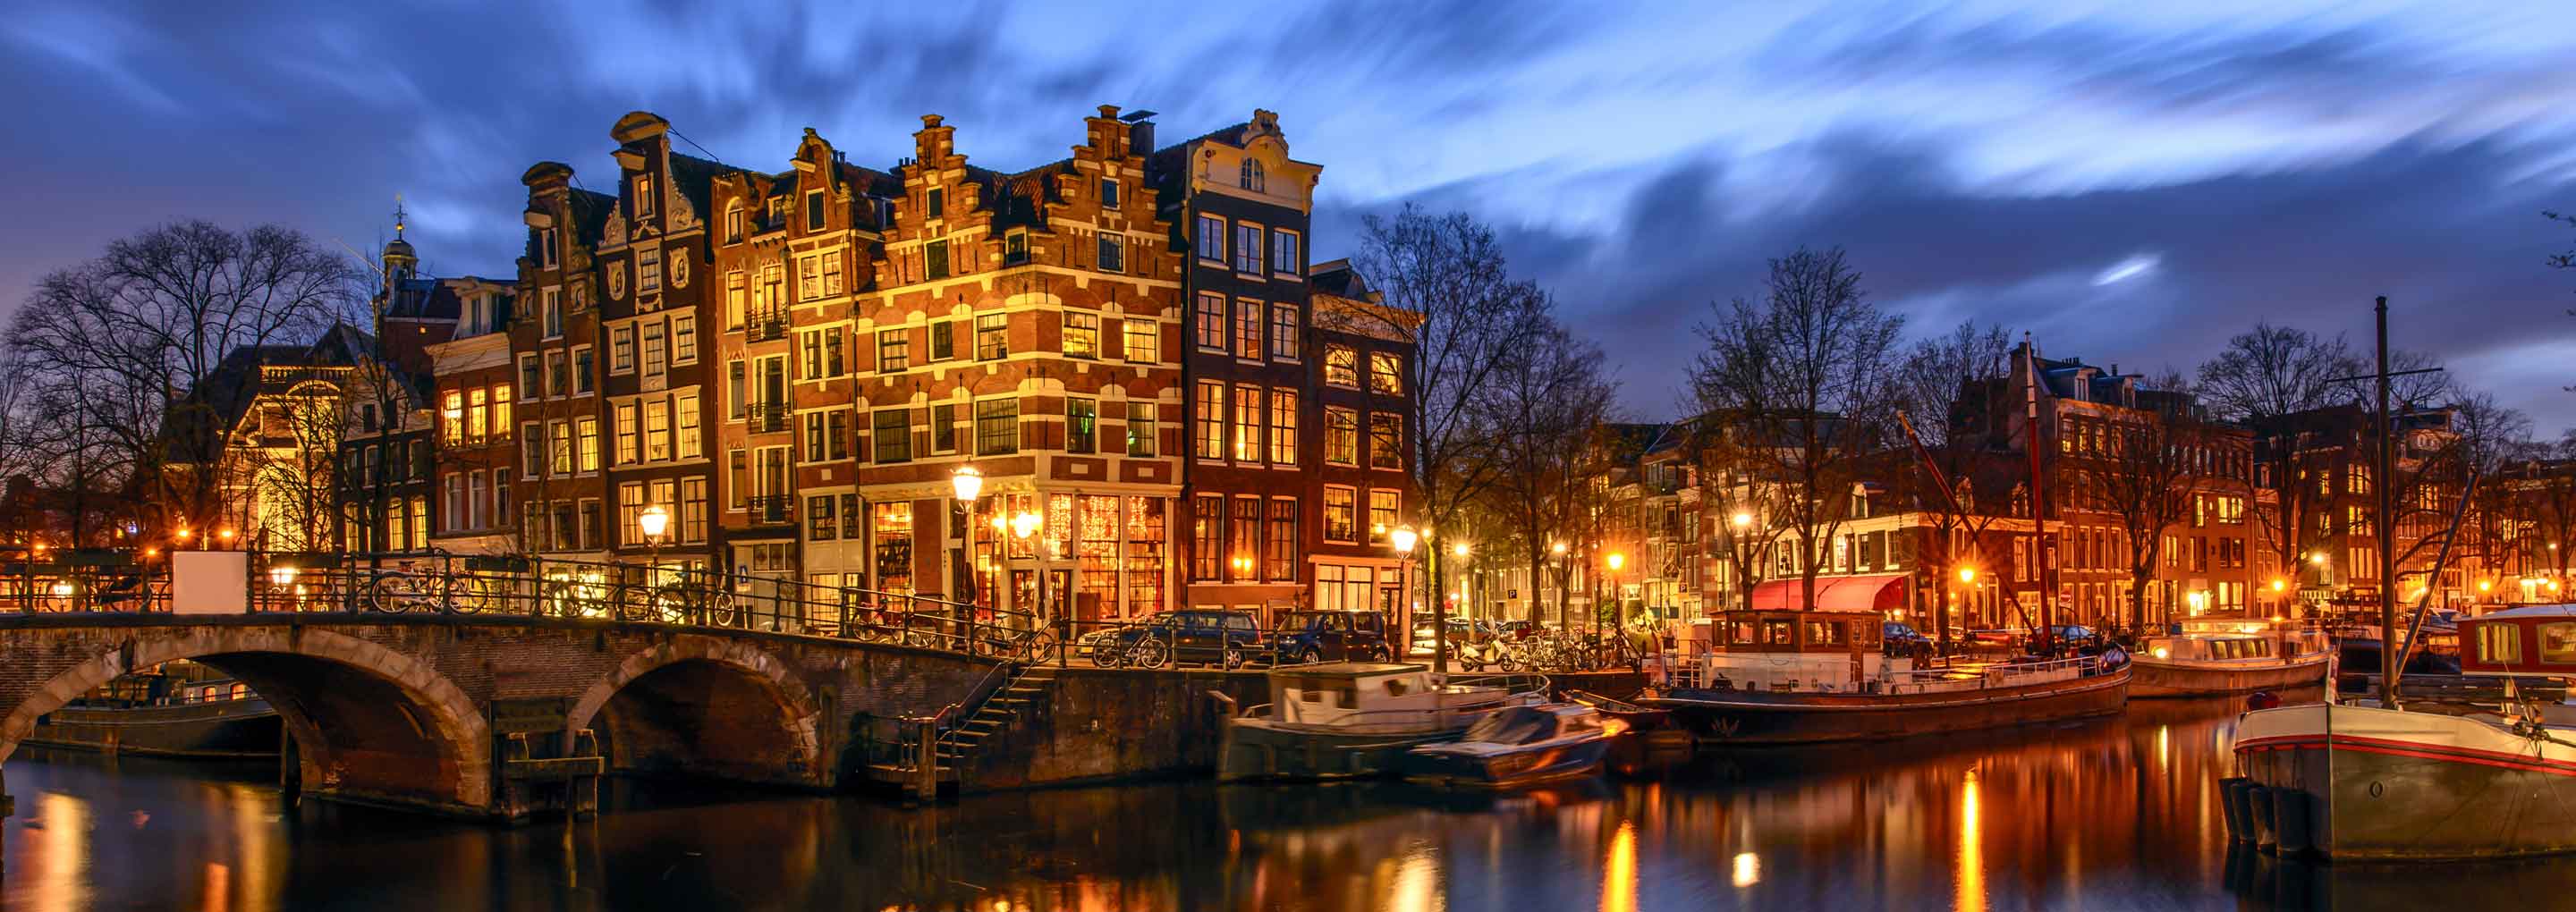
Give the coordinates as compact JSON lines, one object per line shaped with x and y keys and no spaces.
{"x":1356,"y":719}
{"x":1804,"y":677}
{"x":178,"y":709}
{"x":2205,"y":657}
{"x":1518,"y":746}
{"x":2426,"y":779}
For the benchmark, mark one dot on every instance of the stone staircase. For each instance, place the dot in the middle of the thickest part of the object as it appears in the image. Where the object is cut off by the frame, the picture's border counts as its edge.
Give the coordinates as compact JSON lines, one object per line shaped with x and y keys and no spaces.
{"x":954,"y":747}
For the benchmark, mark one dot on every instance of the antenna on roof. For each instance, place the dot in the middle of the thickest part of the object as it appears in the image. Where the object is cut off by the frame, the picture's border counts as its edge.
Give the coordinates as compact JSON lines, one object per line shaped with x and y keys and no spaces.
{"x":400,"y":217}
{"x":711,"y":156}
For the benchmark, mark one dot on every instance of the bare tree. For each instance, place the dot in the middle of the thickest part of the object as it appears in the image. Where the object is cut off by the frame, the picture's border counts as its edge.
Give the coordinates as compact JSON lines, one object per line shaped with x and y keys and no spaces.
{"x":2549,"y":501}
{"x":1454,"y":300}
{"x":1804,"y":377}
{"x":2266,"y":379}
{"x":1936,"y":374}
{"x":141,"y":331}
{"x":2148,"y":473}
{"x":1543,"y":399}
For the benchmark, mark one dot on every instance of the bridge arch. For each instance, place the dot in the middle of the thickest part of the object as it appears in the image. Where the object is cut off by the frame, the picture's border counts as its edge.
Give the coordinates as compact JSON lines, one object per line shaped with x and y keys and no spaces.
{"x":370,"y":723}
{"x":704,"y":705}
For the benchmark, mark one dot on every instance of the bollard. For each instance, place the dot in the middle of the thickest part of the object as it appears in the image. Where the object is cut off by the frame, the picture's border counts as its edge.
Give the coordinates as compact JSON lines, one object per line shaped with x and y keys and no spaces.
{"x":2292,"y":830}
{"x":2258,"y":799}
{"x":2231,"y":799}
{"x":925,"y":784}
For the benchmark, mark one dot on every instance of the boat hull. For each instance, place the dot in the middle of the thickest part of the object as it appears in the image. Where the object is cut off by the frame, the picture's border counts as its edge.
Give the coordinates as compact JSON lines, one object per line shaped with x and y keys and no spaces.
{"x":1257,"y":750}
{"x":245,"y":728}
{"x":2383,"y":785}
{"x":1541,"y":764}
{"x":1760,"y":718}
{"x":2151,"y":679}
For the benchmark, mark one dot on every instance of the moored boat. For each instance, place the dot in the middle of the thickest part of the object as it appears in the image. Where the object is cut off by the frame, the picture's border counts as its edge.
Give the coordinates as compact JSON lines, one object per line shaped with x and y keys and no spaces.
{"x":179,"y":709}
{"x":2424,"y":780}
{"x":1356,"y":719}
{"x":1801,"y":677}
{"x":1518,"y":746}
{"x":2216,"y":656}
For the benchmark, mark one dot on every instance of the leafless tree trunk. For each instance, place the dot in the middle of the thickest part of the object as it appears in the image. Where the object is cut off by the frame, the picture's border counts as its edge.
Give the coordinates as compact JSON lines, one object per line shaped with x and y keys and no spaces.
{"x":1938,"y":373}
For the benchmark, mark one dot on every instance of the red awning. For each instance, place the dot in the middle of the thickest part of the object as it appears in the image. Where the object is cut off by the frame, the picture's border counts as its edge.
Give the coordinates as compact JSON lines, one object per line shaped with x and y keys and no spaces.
{"x":1882,"y":592}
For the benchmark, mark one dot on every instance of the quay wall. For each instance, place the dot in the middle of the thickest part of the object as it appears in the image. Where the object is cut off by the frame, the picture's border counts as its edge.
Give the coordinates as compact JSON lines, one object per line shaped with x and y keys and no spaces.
{"x":1098,"y":725}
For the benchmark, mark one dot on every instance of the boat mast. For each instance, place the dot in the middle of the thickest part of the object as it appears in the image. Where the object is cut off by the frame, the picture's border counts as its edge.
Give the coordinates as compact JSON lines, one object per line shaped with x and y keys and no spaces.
{"x":2040,"y":551}
{"x":2387,"y":536}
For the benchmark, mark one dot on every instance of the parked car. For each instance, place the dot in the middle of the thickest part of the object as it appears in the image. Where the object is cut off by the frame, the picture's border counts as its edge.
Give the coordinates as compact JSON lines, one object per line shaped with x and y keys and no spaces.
{"x":1190,"y":637}
{"x":1331,"y":636}
{"x":1901,"y":639}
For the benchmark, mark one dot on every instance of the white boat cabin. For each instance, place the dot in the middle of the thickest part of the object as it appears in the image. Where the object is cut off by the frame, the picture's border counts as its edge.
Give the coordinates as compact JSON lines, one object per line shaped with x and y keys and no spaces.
{"x":1373,"y":696}
{"x":2235,"y":641}
{"x":1828,"y":651}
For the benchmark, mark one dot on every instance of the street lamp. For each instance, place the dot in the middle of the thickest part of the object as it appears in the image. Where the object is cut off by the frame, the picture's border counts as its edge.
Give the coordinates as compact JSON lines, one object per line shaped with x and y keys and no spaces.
{"x":1403,"y":538}
{"x":966,"y":484}
{"x":1742,"y":519}
{"x":1023,"y":525}
{"x":654,"y":521}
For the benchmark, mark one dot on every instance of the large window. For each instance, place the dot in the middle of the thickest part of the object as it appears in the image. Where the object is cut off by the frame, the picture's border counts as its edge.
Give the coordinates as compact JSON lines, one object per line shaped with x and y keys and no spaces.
{"x":936,"y":255}
{"x":1283,"y":427}
{"x":1207,"y":537}
{"x":1081,"y":425}
{"x":943,"y":427}
{"x":1081,"y":334}
{"x":1247,"y":248}
{"x":1140,"y":429}
{"x":657,"y":430}
{"x":648,"y":271}
{"x":894,"y":350}
{"x":820,"y":352}
{"x":1247,"y":423}
{"x":1384,"y":505}
{"x":621,"y":349}
{"x":997,"y":427}
{"x":1386,"y":440}
{"x":589,"y":427}
{"x":1342,"y":366}
{"x":893,"y":533}
{"x":1209,"y":432}
{"x":630,"y":434}
{"x":1144,"y":340}
{"x":1283,"y":251}
{"x":892,"y":434}
{"x":1341,"y":514}
{"x":1211,"y":238}
{"x":1341,"y":436}
{"x":1113,"y":253}
{"x":943,"y":340}
{"x":1283,"y":331}
{"x":1247,"y":328}
{"x":1243,"y":541}
{"x":992,"y":337}
{"x":1211,"y":321}
{"x":1279,"y":550}
{"x":1386,"y":374}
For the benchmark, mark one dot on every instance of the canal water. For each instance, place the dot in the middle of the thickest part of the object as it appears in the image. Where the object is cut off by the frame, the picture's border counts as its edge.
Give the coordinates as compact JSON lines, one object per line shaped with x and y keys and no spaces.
{"x":2117,"y":814}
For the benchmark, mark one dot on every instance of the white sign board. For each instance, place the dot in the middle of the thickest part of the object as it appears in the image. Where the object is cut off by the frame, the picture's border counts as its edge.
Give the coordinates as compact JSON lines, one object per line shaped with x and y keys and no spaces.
{"x":209,"y":582}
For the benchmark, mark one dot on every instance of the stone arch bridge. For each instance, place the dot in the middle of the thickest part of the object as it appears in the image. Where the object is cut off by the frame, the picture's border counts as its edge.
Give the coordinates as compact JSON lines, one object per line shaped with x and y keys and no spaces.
{"x":505,"y":716}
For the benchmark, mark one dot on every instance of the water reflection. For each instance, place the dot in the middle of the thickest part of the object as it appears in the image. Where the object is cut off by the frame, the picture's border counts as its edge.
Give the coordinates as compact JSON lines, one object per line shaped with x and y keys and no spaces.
{"x":2117,"y":814}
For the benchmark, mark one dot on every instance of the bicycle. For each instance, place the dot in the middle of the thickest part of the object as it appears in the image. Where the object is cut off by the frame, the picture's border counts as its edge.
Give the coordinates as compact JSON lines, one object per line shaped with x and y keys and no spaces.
{"x":1015,"y":645}
{"x":403,"y":591}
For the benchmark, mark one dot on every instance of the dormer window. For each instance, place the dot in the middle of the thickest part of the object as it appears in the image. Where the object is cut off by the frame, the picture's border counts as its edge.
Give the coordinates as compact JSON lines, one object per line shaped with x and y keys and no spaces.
{"x":935,"y":204}
{"x":733,"y":224}
{"x":546,"y":249}
{"x":1252,"y":178}
{"x":1108,"y":194}
{"x":1015,"y":248}
{"x":814,"y":210}
{"x":643,"y":195}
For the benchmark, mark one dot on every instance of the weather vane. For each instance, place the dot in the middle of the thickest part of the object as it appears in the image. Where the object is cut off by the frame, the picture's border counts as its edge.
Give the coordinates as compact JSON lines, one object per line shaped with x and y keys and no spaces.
{"x":399,"y":216}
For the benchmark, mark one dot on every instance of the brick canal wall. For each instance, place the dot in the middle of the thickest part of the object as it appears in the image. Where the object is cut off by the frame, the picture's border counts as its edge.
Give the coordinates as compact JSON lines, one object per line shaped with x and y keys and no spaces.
{"x":1100,"y":724}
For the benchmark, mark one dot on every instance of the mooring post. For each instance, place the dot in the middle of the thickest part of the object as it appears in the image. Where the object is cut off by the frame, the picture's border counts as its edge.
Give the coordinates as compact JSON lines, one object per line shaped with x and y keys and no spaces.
{"x":925,"y":782}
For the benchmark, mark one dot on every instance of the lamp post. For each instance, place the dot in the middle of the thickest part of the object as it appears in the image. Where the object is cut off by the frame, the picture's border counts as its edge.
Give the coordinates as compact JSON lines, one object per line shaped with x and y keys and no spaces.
{"x":1564,"y":577}
{"x":1466,"y":582}
{"x":1403,"y":539}
{"x":1023,"y":525}
{"x":654,"y":522}
{"x":1615,"y":561}
{"x":967,"y":484}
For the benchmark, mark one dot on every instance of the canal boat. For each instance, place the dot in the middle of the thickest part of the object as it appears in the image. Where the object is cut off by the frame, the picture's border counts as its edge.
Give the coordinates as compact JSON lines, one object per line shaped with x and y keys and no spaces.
{"x":2426,"y":779}
{"x":1518,"y":746}
{"x":1347,"y":720}
{"x":2216,"y":656}
{"x":179,"y":709}
{"x":1806,"y":677}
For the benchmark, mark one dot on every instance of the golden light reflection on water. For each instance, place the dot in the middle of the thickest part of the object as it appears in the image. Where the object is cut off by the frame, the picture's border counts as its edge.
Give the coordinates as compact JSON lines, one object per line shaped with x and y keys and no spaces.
{"x":1619,"y":873}
{"x":1417,"y":884}
{"x":60,"y":853}
{"x":1971,"y":854}
{"x":1748,"y":869}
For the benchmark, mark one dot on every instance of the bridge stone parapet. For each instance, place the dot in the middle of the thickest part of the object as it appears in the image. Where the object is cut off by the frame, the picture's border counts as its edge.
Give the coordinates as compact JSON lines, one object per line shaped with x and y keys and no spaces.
{"x":481,"y":715}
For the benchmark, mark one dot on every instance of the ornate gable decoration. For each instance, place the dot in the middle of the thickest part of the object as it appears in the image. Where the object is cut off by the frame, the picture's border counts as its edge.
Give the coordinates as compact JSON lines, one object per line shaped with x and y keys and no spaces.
{"x":677,"y":269}
{"x":681,"y":214}
{"x":616,"y":230}
{"x":617,"y":281}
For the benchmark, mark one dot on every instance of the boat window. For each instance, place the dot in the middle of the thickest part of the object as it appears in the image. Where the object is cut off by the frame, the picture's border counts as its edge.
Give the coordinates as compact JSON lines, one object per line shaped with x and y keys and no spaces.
{"x":2557,"y":642}
{"x":1825,"y":633}
{"x":1310,"y":696}
{"x":1779,"y":632}
{"x":2500,"y":643}
{"x":1740,"y":632}
{"x":1396,"y":687}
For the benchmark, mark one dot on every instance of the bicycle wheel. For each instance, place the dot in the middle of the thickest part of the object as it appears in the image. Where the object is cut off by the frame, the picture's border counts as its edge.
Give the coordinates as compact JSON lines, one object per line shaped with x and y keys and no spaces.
{"x":1150,"y":652}
{"x":466,"y":595}
{"x":723,"y":611}
{"x":390,"y":593}
{"x":1037,"y":647}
